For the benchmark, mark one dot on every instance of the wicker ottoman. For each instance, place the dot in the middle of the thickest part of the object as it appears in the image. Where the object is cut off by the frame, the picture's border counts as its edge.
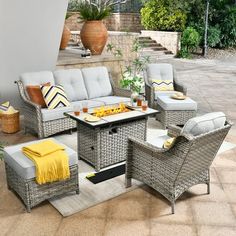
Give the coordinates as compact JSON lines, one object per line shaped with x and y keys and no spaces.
{"x":20,"y":173}
{"x":176,"y":112}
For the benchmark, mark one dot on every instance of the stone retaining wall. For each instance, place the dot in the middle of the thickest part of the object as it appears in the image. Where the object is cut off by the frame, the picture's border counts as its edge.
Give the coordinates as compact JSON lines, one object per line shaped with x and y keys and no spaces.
{"x":169,"y":40}
{"x":128,"y":22}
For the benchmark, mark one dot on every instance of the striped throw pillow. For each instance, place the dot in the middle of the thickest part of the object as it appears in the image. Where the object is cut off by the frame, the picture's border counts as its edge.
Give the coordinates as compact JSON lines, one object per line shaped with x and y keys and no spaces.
{"x":162,"y":85}
{"x":54,"y":96}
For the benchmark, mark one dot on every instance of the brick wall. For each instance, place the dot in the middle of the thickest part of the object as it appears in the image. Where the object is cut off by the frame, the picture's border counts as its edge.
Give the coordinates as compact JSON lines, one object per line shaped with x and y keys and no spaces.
{"x":128,"y":22}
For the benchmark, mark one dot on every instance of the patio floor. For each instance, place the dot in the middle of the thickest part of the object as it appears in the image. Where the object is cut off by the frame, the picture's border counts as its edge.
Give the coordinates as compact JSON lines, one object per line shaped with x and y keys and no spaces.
{"x":143,"y":211}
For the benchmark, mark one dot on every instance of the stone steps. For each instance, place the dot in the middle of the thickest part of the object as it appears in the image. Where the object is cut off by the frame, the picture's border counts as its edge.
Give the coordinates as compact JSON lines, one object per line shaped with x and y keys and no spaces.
{"x":153,"y":49}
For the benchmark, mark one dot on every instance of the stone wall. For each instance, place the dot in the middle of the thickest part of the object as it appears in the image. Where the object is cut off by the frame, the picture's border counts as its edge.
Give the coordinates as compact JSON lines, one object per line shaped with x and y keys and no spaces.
{"x":128,"y":22}
{"x":170,"y":40}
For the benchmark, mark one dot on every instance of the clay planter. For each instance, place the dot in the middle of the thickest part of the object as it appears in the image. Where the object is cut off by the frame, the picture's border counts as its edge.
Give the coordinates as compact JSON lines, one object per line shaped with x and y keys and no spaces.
{"x":94,"y":36}
{"x":65,"y":38}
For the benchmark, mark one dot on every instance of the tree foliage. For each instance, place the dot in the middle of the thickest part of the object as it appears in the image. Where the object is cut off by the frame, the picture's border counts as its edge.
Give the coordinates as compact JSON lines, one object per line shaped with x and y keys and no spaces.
{"x":160,"y":15}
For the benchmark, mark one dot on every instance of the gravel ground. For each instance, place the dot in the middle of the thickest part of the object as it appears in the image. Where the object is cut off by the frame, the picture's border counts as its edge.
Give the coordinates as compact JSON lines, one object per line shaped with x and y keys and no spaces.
{"x":214,"y":53}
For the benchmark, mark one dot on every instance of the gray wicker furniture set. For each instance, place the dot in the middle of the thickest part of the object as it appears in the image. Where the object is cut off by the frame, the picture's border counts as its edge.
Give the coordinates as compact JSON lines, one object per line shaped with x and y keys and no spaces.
{"x":173,"y":171}
{"x":119,"y":137}
{"x":172,"y":111}
{"x":20,"y":173}
{"x":93,"y":85}
{"x":104,"y":143}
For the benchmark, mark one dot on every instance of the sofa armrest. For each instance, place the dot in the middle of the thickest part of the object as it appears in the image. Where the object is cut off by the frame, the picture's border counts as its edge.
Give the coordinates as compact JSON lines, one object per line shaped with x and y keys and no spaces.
{"x":122,"y":92}
{"x":24,"y":97}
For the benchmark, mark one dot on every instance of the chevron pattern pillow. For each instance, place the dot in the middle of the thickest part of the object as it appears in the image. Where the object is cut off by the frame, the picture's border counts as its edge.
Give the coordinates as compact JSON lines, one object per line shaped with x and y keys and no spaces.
{"x":162,"y":85}
{"x":54,"y":96}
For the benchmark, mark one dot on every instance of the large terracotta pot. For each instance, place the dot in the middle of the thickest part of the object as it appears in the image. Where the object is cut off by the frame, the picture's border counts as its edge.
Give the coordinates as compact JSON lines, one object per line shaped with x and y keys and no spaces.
{"x":94,"y":36}
{"x":65,"y":38}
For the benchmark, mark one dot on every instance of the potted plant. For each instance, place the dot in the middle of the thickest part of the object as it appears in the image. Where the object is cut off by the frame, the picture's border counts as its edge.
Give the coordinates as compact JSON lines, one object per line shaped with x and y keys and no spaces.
{"x":94,"y":33}
{"x":65,"y":38}
{"x":132,"y":74}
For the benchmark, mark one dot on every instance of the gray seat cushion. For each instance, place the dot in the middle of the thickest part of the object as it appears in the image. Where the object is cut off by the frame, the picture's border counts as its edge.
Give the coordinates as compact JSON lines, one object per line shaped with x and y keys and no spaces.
{"x":161,"y":71}
{"x":169,"y":104}
{"x":204,"y":124}
{"x":97,"y":82}
{"x":110,"y":100}
{"x":54,"y":114}
{"x":161,"y":93}
{"x":91,"y":103}
{"x":23,"y":166}
{"x":37,"y":78}
{"x":159,"y":141}
{"x":73,"y":83}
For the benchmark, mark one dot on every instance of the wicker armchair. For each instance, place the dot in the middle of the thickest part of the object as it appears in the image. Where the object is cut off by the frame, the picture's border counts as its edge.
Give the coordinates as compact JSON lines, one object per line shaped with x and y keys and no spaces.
{"x":33,"y":120}
{"x":150,"y":91}
{"x":173,"y":171}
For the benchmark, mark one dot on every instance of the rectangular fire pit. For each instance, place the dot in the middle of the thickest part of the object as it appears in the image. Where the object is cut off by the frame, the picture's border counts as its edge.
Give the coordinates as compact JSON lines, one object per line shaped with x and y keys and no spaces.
{"x":104,"y":143}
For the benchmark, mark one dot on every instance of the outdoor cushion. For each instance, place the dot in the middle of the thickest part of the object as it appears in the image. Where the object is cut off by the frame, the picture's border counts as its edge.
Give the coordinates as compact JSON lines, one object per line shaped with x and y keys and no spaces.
{"x":97,"y":82}
{"x":55,"y":114}
{"x":35,"y":94}
{"x":162,"y":85}
{"x":161,"y":71}
{"x":204,"y":124}
{"x":110,"y":100}
{"x":54,"y":96}
{"x":37,"y":78}
{"x":91,"y":103}
{"x":23,"y":166}
{"x":73,"y":83}
{"x":169,"y":104}
{"x":159,"y":141}
{"x":160,"y":93}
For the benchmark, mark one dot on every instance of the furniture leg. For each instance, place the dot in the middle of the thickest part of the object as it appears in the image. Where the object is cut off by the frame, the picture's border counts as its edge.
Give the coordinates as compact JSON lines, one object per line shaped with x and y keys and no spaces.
{"x":173,"y":207}
{"x":128,"y":182}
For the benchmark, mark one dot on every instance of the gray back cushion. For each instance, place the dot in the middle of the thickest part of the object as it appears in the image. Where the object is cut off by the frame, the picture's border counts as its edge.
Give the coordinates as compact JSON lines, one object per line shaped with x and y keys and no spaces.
{"x":73,"y":83}
{"x":161,"y":71}
{"x":204,"y":124}
{"x":37,"y":78}
{"x":97,"y":82}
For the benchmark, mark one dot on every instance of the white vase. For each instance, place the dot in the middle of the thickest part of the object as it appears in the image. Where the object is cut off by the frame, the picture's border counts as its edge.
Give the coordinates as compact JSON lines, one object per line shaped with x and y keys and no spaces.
{"x":133,"y":98}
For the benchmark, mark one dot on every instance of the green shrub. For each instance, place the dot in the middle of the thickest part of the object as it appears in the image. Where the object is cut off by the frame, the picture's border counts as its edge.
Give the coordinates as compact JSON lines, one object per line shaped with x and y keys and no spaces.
{"x":228,"y":26}
{"x":189,"y":42}
{"x":214,"y":36}
{"x":158,"y":15}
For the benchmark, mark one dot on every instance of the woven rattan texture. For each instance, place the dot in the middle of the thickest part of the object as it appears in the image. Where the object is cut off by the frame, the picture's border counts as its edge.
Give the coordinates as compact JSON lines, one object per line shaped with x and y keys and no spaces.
{"x":171,"y":172}
{"x":32,"y":193}
{"x":108,"y":145}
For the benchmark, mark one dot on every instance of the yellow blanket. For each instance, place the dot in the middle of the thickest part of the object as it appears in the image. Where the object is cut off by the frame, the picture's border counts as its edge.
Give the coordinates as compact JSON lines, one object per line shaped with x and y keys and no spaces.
{"x":50,"y":159}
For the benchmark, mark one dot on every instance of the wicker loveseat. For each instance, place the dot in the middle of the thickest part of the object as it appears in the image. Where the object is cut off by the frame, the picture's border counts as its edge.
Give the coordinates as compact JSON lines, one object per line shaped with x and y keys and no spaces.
{"x":93,"y":85}
{"x":174,"y":170}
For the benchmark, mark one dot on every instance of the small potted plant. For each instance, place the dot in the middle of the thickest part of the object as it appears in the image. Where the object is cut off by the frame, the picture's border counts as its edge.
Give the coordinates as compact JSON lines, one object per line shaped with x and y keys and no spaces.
{"x":94,"y":33}
{"x":132,"y":75}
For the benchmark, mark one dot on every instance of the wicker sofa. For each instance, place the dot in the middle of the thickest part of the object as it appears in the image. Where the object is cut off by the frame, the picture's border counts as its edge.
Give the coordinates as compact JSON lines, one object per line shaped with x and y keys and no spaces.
{"x":93,"y":85}
{"x":174,"y":170}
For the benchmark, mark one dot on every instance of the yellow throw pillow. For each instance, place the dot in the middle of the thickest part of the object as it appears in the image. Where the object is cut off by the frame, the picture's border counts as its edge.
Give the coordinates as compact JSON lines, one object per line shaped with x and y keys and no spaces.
{"x":169,"y":143}
{"x":162,"y":85}
{"x":55,"y":96}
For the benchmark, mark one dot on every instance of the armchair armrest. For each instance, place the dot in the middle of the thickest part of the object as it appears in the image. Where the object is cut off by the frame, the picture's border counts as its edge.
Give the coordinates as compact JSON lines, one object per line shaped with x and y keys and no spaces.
{"x":174,"y":130}
{"x":178,"y":86}
{"x":122,"y":92}
{"x":149,"y":93}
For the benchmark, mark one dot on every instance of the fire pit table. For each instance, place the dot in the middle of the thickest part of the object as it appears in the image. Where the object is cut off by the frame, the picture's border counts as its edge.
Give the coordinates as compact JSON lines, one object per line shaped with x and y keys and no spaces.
{"x":105,"y":142}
